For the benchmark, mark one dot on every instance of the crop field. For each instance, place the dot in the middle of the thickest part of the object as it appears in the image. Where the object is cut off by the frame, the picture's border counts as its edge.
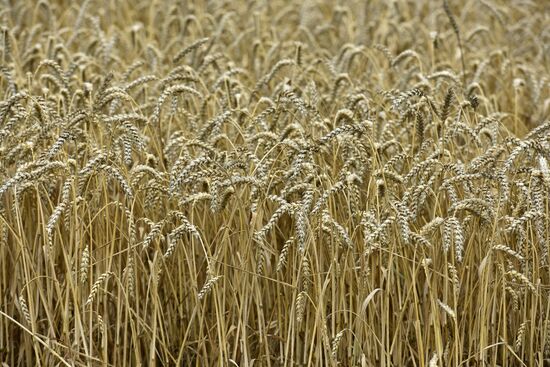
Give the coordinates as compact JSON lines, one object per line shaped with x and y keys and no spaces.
{"x":274,"y":183}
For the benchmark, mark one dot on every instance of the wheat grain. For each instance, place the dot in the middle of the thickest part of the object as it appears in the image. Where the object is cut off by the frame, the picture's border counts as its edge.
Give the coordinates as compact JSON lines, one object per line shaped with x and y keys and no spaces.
{"x":433,"y":360}
{"x":448,"y":310}
{"x":84,"y":263}
{"x":207,"y":287}
{"x":300,"y":306}
{"x":509,"y":251}
{"x":25,"y":309}
{"x":520,"y":336}
{"x":336,"y":342}
{"x":95,"y":287}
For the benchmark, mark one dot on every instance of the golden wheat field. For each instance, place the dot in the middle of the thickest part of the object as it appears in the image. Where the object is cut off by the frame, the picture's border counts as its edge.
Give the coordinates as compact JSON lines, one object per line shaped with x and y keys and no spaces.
{"x":274,"y":183}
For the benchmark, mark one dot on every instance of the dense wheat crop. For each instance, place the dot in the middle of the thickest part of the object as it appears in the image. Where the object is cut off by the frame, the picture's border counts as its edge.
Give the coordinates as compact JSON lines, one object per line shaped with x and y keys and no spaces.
{"x":273,"y":183}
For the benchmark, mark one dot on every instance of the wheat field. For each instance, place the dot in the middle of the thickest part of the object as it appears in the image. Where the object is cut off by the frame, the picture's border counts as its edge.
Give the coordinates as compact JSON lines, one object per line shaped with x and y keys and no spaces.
{"x":274,"y":183}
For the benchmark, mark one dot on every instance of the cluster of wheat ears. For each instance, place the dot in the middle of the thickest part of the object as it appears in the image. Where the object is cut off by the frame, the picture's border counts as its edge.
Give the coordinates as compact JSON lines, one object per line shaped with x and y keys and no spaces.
{"x":358,"y":183}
